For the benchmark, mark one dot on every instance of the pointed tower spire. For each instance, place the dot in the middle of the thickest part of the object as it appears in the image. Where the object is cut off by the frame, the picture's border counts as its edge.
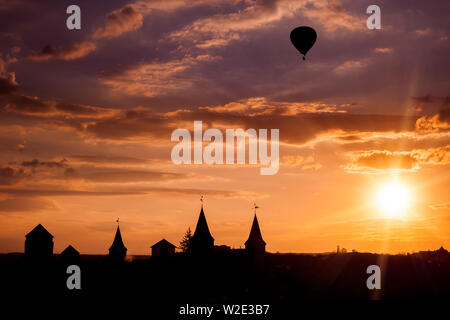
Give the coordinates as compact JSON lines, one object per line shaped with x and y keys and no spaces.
{"x":117,"y":250}
{"x":255,"y":242}
{"x":202,"y":240}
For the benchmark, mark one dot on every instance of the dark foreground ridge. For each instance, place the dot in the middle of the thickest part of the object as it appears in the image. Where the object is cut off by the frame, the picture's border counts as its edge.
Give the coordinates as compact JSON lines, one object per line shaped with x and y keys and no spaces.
{"x":208,"y":274}
{"x":236,"y":275}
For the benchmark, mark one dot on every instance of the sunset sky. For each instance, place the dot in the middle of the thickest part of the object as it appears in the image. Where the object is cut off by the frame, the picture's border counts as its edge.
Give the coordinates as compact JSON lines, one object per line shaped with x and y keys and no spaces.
{"x":86,"y":118}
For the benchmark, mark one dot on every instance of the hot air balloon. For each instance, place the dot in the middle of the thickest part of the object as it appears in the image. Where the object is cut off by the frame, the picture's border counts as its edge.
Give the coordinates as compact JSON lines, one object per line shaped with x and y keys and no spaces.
{"x":303,"y":38}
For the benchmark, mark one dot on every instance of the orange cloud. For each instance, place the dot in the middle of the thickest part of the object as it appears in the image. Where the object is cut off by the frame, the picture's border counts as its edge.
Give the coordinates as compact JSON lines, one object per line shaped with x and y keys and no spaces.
{"x":382,"y":161}
{"x":118,"y":22}
{"x":433,"y":156}
{"x":305,"y":163}
{"x":431,"y":124}
{"x":423,"y":32}
{"x":333,"y":16}
{"x":220,"y":29}
{"x":152,"y":79}
{"x":384,"y":50}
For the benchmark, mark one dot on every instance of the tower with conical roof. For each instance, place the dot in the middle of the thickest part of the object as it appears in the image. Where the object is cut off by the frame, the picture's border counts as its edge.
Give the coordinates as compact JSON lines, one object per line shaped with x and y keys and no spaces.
{"x":255,"y":243}
{"x":39,"y":243}
{"x":117,"y":251}
{"x":202,"y":242}
{"x":70,"y":254}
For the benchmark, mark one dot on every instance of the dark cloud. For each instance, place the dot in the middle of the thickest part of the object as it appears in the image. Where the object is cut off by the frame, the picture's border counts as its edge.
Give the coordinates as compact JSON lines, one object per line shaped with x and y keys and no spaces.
{"x":424,"y":99}
{"x":24,"y":204}
{"x":444,"y":115}
{"x":39,"y":107}
{"x":39,"y":192}
{"x":122,"y":175}
{"x":107,"y":159}
{"x":8,"y":83}
{"x":50,"y":164}
{"x":429,"y":98}
{"x":67,"y":52}
{"x":10,"y":176}
{"x":297,"y":128}
{"x":19,"y":192}
{"x":70,"y":173}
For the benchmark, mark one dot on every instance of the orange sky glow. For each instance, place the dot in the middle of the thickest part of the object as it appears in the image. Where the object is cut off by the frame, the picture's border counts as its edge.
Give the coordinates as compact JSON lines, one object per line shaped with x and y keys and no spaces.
{"x":85,"y":124}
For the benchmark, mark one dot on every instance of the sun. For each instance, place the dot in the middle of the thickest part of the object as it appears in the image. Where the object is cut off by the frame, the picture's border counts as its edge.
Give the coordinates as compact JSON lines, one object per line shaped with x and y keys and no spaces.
{"x":393,"y":200}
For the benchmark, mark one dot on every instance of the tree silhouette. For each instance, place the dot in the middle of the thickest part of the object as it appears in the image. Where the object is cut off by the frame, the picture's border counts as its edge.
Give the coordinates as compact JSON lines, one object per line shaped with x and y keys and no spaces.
{"x":185,"y":243}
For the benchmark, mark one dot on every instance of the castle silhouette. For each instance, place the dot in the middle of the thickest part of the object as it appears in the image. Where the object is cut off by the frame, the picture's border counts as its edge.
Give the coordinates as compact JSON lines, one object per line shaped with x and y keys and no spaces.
{"x":218,"y":273}
{"x":39,"y":243}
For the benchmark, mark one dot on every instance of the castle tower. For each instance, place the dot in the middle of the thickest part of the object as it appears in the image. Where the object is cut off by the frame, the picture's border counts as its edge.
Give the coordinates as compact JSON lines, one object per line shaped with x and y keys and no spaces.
{"x":39,"y":243}
{"x":202,"y":242}
{"x":70,"y":254}
{"x":117,"y":251}
{"x":255,"y":243}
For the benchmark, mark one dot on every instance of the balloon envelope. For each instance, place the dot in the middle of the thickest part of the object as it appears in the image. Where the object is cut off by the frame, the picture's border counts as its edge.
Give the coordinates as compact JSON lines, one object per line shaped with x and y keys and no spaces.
{"x":303,"y":38}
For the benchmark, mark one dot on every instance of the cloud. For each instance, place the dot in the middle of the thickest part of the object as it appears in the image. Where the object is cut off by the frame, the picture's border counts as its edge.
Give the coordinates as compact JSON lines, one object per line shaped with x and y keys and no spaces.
{"x":36,"y":106}
{"x":220,"y":29}
{"x":435,"y":123}
{"x":118,"y":22}
{"x":24,"y":204}
{"x":444,"y":114}
{"x":131,"y":17}
{"x":107,"y":159}
{"x":50,"y":164}
{"x":155,"y":78}
{"x":350,"y":65}
{"x":66,"y":52}
{"x":41,"y":192}
{"x":304,"y":163}
{"x":382,"y":161}
{"x":423,"y":32}
{"x":333,"y":16}
{"x":441,"y":206}
{"x":6,"y":5}
{"x":8,"y":83}
{"x":384,"y":50}
{"x":431,"y":99}
{"x":10,"y":175}
{"x":433,"y":156}
{"x":298,"y":122}
{"x":125,"y":175}
{"x":260,"y":106}
{"x":424,"y":99}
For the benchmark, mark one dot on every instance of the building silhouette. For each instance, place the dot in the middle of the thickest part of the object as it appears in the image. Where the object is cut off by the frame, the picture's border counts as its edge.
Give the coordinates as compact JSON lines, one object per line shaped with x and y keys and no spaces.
{"x":39,"y":243}
{"x":255,"y":243}
{"x":202,"y":242}
{"x":163,"y":248}
{"x":117,"y":251}
{"x":70,"y":254}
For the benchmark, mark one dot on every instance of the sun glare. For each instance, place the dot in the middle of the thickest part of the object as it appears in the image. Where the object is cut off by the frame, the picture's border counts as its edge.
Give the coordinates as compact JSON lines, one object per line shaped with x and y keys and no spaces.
{"x":393,"y":200}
